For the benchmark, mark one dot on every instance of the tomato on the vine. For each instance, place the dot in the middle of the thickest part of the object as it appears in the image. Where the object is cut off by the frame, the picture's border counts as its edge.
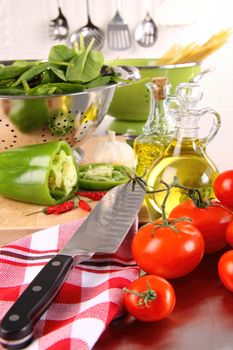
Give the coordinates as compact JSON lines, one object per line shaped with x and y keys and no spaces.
{"x":223,"y":188}
{"x":225,"y":269}
{"x":212,"y":222}
{"x":168,"y":251}
{"x":229,"y":234}
{"x":149,"y":298}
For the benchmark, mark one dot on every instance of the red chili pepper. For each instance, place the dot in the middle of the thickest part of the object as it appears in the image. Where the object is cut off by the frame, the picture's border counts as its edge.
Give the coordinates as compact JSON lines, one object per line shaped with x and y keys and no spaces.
{"x":64,"y":207}
{"x":56,"y":208}
{"x":84,"y":205}
{"x":95,"y":196}
{"x":51,"y":209}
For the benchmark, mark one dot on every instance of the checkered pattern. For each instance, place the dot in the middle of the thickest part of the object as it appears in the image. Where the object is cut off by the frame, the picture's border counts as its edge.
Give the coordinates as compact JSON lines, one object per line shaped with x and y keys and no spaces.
{"x":89,"y":299}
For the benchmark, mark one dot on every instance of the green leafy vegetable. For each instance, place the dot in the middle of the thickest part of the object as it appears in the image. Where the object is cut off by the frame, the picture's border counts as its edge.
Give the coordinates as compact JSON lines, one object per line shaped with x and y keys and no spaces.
{"x":9,"y":72}
{"x":31,"y":73}
{"x":58,"y":88}
{"x":67,"y":70}
{"x":11,"y":91}
{"x":99,"y":81}
{"x":61,"y":53}
{"x":58,"y":72}
{"x":86,"y":66}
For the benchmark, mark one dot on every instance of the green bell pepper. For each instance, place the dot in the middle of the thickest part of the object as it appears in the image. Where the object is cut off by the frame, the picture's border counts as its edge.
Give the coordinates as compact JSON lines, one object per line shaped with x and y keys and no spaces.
{"x":102,"y":176}
{"x":43,"y":174}
{"x":29,"y":115}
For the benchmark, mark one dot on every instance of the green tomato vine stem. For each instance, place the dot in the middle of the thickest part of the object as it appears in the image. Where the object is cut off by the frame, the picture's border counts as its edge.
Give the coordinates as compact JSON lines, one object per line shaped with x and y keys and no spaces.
{"x":144,"y":297}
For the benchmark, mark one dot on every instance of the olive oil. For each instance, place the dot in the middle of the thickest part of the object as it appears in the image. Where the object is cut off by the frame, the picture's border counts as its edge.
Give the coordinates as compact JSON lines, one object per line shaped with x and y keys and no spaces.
{"x":147,"y":153}
{"x":193,"y":171}
{"x":185,"y":156}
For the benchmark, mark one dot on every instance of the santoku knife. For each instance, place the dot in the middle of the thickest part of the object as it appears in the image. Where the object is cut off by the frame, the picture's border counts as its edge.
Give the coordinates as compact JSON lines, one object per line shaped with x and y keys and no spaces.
{"x":102,"y":232}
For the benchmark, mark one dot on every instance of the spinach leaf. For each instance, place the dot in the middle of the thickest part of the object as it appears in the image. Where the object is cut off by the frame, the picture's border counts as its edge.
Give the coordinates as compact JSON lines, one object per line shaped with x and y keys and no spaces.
{"x":11,"y":91}
{"x":45,"y":89}
{"x":68,"y":70}
{"x":47,"y":77}
{"x":100,"y":81}
{"x":86,"y":67}
{"x":21,"y":63}
{"x":61,"y":53}
{"x":58,"y":72}
{"x":6,"y":82}
{"x":56,"y":88}
{"x":69,"y":87}
{"x":11,"y":72}
{"x":59,"y":56}
{"x":31,"y":73}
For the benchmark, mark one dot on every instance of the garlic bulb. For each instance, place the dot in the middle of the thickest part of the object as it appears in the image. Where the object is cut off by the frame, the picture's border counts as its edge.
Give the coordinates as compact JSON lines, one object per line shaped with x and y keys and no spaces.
{"x":113,"y":151}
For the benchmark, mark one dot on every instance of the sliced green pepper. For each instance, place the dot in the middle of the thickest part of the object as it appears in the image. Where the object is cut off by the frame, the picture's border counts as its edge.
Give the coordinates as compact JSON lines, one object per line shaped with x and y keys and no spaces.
{"x":102,"y":176}
{"x":43,"y":174}
{"x":29,"y":115}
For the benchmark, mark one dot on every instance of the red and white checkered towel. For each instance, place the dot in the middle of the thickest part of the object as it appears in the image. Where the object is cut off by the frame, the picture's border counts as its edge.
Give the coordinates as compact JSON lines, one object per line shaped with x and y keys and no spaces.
{"x":90,"y":298}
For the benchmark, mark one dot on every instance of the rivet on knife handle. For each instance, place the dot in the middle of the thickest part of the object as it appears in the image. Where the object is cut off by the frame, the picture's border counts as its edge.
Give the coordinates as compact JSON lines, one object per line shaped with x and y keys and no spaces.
{"x":17,"y":326}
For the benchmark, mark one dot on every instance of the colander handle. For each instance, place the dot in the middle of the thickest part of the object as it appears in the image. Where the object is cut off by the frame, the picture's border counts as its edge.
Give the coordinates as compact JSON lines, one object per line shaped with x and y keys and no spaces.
{"x":124,"y":72}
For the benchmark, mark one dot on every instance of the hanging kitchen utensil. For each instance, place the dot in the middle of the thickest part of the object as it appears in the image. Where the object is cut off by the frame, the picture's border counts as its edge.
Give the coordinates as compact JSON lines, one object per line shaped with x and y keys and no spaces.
{"x":146,"y":32}
{"x":103,"y":231}
{"x":119,"y":37}
{"x":88,"y":32}
{"x":58,"y":27}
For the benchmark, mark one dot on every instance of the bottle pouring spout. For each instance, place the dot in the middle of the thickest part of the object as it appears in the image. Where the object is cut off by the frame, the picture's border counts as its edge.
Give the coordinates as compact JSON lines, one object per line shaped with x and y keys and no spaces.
{"x":188,"y":115}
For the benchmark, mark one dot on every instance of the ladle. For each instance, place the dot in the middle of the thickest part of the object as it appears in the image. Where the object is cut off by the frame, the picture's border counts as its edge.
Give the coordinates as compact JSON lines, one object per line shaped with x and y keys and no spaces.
{"x":88,"y":32}
{"x":146,"y":32}
{"x":59,"y":28}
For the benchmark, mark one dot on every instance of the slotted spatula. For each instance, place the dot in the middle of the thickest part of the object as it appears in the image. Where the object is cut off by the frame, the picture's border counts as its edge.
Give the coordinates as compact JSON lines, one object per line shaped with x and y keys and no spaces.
{"x":118,"y":34}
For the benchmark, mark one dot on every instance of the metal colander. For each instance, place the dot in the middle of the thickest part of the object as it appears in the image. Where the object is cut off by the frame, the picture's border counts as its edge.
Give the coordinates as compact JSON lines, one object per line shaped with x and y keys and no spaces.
{"x":70,"y":117}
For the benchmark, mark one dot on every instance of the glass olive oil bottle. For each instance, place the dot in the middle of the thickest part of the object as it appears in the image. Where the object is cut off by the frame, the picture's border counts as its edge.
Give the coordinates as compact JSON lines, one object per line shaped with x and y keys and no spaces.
{"x":158,"y":130}
{"x":185,"y":156}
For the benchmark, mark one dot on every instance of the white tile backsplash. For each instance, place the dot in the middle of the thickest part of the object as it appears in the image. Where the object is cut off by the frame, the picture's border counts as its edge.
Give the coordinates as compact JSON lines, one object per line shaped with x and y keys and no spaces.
{"x":24,"y":34}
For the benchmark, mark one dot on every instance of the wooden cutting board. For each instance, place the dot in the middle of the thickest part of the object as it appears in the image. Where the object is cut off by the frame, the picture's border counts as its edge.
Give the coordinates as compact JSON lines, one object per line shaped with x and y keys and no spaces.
{"x":14,"y":223}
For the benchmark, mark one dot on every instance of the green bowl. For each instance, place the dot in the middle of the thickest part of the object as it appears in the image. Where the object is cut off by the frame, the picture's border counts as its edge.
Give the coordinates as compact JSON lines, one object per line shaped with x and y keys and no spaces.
{"x":126,"y":127}
{"x":132,"y":102}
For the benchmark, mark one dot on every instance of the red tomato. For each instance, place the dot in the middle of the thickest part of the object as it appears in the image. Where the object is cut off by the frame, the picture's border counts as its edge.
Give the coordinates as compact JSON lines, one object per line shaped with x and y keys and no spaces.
{"x":229,"y":234}
{"x":212,"y":222}
{"x":223,"y":188}
{"x":161,"y":298}
{"x":164,"y":252}
{"x":225,"y":269}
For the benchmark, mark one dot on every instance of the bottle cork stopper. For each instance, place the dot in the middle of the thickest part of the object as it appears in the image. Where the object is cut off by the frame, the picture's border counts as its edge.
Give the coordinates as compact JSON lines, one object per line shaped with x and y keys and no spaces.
{"x":159,"y":84}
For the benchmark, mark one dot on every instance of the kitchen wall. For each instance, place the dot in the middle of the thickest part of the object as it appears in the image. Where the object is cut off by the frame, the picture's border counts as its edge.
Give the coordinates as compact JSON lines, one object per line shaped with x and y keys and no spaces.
{"x":24,"y":34}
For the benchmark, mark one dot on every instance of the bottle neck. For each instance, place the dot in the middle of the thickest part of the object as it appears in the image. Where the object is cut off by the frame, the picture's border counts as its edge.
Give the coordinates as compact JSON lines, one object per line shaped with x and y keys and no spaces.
{"x":187,"y":127}
{"x":181,"y":133}
{"x":160,"y":120}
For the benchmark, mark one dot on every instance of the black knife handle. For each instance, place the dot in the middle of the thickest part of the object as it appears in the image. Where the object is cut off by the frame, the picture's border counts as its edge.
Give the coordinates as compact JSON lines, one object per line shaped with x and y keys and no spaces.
{"x":16,"y":330}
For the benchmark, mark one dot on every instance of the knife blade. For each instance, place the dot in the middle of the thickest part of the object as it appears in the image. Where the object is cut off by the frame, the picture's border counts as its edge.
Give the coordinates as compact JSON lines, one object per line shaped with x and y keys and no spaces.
{"x":102,"y":232}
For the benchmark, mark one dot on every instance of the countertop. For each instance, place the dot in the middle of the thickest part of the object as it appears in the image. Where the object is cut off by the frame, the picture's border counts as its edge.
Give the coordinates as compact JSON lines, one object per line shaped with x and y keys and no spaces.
{"x":202,"y":318}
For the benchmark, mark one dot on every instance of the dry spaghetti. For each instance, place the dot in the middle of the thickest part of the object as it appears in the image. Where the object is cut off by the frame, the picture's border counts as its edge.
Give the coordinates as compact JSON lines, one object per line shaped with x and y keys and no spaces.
{"x":194,"y":52}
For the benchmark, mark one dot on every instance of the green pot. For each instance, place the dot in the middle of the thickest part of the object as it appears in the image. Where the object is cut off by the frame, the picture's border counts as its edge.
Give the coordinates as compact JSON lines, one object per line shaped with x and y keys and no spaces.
{"x":132,"y":102}
{"x":126,"y":127}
